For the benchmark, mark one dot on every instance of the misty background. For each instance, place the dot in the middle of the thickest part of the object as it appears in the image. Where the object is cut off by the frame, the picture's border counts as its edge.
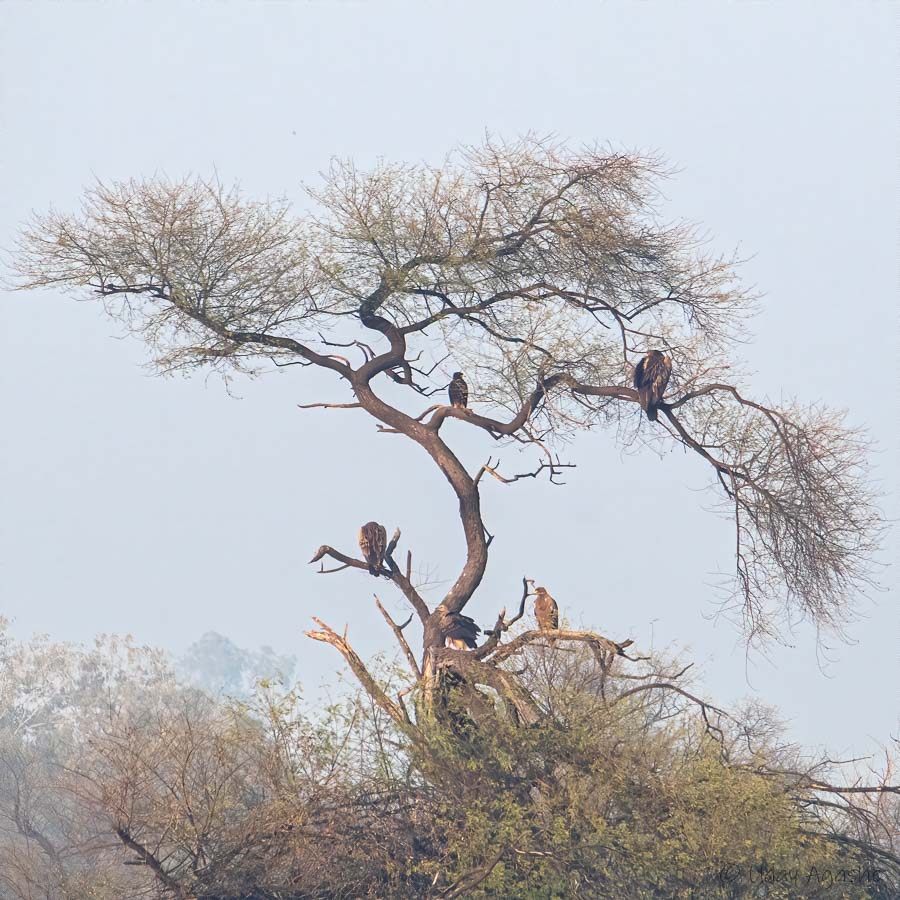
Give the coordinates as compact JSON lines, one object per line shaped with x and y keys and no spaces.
{"x":184,"y":513}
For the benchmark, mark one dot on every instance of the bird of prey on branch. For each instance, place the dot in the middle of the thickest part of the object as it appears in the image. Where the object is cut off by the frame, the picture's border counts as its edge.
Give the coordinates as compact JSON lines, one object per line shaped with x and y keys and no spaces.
{"x":545,"y":610}
{"x":651,"y":375}
{"x":458,"y":391}
{"x":372,"y":542}
{"x":460,"y":631}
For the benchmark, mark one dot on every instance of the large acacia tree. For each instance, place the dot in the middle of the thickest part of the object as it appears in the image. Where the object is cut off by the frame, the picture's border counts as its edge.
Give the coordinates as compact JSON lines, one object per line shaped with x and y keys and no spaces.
{"x":542,"y":272}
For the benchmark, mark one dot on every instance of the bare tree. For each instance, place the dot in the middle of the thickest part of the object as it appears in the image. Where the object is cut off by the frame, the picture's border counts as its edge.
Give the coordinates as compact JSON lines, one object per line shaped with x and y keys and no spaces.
{"x":545,"y":274}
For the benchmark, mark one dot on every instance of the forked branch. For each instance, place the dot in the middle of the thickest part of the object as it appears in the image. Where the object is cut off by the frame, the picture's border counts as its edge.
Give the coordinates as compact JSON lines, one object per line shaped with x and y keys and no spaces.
{"x":552,"y":467}
{"x":398,"y":633}
{"x":502,"y":625}
{"x":328,"y":635}
{"x":394,"y":573}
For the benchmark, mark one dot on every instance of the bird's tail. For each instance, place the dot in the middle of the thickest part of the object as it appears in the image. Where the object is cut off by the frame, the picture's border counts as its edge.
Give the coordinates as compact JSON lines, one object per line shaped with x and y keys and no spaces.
{"x":646,"y":404}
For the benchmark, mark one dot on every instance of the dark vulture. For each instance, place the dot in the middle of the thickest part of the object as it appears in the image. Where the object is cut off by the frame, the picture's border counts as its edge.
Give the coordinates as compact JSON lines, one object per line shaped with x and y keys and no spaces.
{"x":545,"y":610}
{"x":460,"y":631}
{"x":651,"y":376}
{"x":458,"y":391}
{"x":453,"y":692}
{"x":372,"y":541}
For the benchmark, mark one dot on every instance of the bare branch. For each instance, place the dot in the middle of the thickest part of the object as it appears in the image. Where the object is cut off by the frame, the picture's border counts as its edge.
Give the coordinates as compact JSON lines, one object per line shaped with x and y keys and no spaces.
{"x":552,"y":467}
{"x":329,"y":636}
{"x":393,"y":572}
{"x":502,"y":625}
{"x":329,"y":406}
{"x":346,"y":561}
{"x":153,"y":864}
{"x":398,"y":633}
{"x":558,"y":636}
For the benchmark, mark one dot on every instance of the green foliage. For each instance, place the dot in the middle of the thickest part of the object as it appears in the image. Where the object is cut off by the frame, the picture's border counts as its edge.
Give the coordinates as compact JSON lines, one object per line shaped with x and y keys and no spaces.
{"x":269,"y":798}
{"x":583,"y":811}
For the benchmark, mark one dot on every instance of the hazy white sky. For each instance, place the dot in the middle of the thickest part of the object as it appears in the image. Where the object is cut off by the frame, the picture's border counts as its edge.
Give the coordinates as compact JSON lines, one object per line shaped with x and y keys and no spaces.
{"x":166,"y":508}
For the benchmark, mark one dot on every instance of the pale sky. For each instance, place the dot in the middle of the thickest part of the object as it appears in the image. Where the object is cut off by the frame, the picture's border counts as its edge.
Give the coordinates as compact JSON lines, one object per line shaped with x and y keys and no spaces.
{"x":165,"y":507}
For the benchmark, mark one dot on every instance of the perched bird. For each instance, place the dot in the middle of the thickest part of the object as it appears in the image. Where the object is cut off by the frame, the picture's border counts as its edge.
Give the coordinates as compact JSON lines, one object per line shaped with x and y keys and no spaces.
{"x":545,"y":610}
{"x":460,"y":631}
{"x":372,"y":541}
{"x":651,"y":375}
{"x":453,"y":694}
{"x":458,"y":391}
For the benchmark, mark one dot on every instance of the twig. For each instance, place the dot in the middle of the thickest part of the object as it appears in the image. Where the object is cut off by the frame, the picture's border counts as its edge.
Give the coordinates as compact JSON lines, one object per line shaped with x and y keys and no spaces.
{"x":553,"y":466}
{"x":502,"y":625}
{"x":398,"y":633}
{"x":324,"y":571}
{"x":329,"y":406}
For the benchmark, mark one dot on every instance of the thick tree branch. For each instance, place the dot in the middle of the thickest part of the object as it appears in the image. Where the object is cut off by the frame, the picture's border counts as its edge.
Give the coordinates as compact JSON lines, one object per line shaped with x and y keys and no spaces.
{"x":597,"y":641}
{"x":166,"y":880}
{"x":471,"y":879}
{"x":506,"y":684}
{"x":25,"y":827}
{"x":463,"y":486}
{"x":347,"y":561}
{"x":544,"y":387}
{"x":393,"y":573}
{"x":329,"y":636}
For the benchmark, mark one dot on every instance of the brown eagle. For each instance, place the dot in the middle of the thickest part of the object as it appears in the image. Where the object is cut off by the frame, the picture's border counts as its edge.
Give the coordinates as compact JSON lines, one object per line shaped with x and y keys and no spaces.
{"x":460,"y":631}
{"x":458,"y":391}
{"x":545,"y":610}
{"x":651,"y":375}
{"x":372,"y":541}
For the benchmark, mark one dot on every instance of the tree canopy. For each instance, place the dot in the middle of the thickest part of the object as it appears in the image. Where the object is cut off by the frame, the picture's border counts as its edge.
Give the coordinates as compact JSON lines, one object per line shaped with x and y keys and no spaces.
{"x":545,"y":273}
{"x":501,"y":761}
